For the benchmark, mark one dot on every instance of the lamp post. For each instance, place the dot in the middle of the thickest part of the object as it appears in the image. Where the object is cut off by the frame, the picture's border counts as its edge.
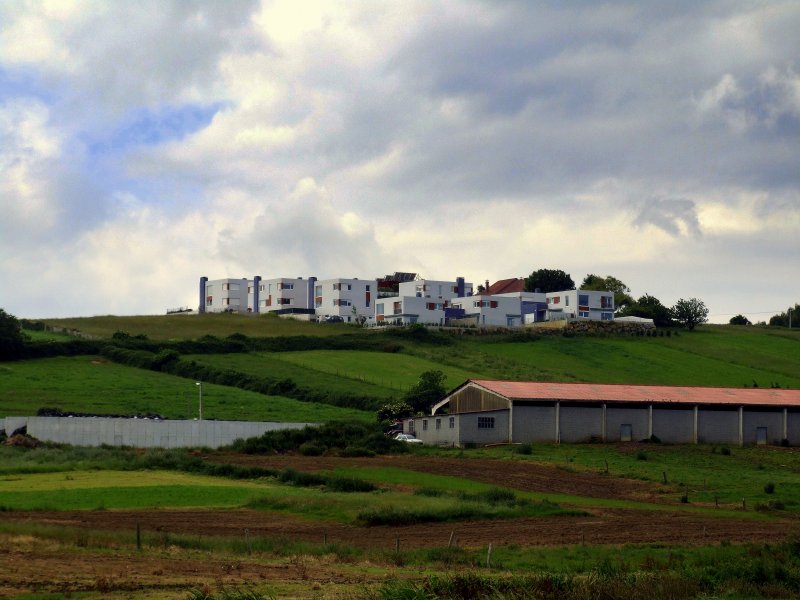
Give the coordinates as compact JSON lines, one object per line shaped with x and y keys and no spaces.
{"x":790,"y":317}
{"x":199,"y":385}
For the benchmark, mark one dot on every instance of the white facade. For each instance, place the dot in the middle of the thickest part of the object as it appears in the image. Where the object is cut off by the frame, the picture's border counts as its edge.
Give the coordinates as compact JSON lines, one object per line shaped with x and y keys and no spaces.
{"x":284,"y":294}
{"x":439,"y":290}
{"x":580,"y":304}
{"x":502,"y":310}
{"x":226,"y":295}
{"x":351,"y":299}
{"x":407,"y":310}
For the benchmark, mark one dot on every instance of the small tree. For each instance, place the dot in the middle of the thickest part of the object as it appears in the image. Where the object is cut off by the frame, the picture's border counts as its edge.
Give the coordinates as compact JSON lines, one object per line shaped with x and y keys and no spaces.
{"x":609,"y":283}
{"x":394,"y":411}
{"x":428,"y":391}
{"x":649,"y":307}
{"x":549,"y":280}
{"x":690,"y":313}
{"x":740,"y":320}
{"x":12,"y":340}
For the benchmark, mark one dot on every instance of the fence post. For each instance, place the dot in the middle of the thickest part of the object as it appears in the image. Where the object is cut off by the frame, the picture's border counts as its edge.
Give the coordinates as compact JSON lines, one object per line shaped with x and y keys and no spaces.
{"x":489,"y":556}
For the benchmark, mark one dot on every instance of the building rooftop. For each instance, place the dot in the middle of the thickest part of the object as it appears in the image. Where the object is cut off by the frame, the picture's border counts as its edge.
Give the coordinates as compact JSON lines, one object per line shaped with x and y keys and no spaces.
{"x":655,"y":394}
{"x":504,"y":286}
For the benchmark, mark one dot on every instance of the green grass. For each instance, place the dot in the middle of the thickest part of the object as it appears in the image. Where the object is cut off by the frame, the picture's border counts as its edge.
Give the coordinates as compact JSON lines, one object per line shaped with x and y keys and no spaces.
{"x":702,"y":472}
{"x":710,"y":356}
{"x":307,"y":375}
{"x":93,"y":384}
{"x":394,"y":371}
{"x":166,"y":327}
{"x":78,"y":490}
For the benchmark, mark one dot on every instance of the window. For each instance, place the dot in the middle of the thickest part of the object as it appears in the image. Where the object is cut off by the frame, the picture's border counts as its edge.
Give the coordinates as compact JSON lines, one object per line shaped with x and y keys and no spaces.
{"x":318,"y":290}
{"x":556,"y":299}
{"x":485,"y":422}
{"x":424,"y":424}
{"x":285,"y":286}
{"x":379,"y":309}
{"x":339,"y":302}
{"x":430,"y":306}
{"x":493,"y":304}
{"x":607,"y":316}
{"x":367,"y":287}
{"x":566,"y":300}
{"x":209,"y":301}
{"x":583,"y":313}
{"x":583,"y":299}
{"x":438,"y":424}
{"x":606,"y":301}
{"x":284,"y":300}
{"x":452,"y":422}
{"x":249,"y":289}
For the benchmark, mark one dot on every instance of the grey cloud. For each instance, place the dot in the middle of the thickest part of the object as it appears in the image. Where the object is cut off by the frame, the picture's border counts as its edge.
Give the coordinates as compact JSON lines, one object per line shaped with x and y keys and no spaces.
{"x":669,"y":214}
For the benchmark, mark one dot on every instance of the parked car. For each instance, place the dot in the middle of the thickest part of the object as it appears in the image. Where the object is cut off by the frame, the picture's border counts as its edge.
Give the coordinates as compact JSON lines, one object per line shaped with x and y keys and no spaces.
{"x":408,"y":438}
{"x":333,"y":319}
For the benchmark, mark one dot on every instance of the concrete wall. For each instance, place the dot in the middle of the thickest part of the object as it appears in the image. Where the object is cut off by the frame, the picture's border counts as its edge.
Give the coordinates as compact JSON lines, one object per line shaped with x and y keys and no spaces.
{"x":534,"y":424}
{"x":674,"y":426}
{"x":637,"y":418}
{"x":579,"y":423}
{"x":469,"y":433}
{"x":794,"y":427}
{"x":718,"y":426}
{"x":443,"y":435}
{"x":143,"y":433}
{"x":772,"y":420}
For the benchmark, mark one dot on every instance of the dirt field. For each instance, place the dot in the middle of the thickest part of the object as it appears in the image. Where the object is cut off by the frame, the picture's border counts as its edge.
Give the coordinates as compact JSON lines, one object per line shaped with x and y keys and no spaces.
{"x":29,"y":564}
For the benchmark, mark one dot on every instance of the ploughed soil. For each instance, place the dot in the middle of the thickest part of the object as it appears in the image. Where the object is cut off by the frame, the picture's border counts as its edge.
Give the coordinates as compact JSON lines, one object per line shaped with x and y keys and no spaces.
{"x":27,"y":563}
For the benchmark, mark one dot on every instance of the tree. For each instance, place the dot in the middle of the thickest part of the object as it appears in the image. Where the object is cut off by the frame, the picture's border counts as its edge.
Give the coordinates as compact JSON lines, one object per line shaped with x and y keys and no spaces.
{"x":12,"y":340}
{"x":649,"y":307}
{"x":549,"y":280}
{"x":394,"y":411}
{"x":428,"y":391}
{"x":609,"y":283}
{"x":690,"y":313}
{"x":740,"y":320}
{"x":782,"y":320}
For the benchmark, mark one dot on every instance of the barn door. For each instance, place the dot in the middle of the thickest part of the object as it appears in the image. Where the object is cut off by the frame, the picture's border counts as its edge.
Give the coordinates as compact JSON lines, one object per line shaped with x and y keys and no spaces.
{"x":761,"y":436}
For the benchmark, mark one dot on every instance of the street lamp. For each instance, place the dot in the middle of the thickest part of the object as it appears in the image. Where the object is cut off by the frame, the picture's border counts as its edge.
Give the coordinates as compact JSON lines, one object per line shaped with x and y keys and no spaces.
{"x":199,"y":385}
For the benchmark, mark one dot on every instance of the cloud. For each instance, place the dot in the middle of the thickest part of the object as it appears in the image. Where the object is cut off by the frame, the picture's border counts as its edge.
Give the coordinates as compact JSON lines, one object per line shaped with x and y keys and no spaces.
{"x":676,"y":216}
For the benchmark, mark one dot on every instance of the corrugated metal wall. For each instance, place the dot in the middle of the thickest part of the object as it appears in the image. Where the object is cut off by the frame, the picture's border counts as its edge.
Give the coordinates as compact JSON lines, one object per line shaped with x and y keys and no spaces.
{"x":473,"y":399}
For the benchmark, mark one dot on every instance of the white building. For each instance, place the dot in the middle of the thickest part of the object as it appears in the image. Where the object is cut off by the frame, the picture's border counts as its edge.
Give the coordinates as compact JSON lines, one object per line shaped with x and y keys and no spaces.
{"x":502,"y":310}
{"x":350,"y":299}
{"x":225,"y":295}
{"x":439,"y":290}
{"x":407,"y":310}
{"x":285,"y":295}
{"x":580,"y":304}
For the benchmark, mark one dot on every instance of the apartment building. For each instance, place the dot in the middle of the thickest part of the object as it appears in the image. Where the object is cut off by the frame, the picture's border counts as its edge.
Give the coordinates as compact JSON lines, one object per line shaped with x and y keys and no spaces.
{"x":285,"y":295}
{"x":580,"y":304}
{"x":225,"y":295}
{"x":351,"y":299}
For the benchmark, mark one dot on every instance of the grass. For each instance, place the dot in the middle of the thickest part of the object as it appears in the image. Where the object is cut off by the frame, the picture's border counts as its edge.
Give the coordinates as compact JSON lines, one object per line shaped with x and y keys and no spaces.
{"x":397,"y":372}
{"x":167,"y":327}
{"x":704,"y":473}
{"x":95,"y":385}
{"x":304,"y":373}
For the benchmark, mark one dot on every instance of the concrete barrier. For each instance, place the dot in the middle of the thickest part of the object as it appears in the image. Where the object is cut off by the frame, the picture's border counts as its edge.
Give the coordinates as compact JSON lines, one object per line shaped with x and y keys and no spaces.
{"x":142,"y":433}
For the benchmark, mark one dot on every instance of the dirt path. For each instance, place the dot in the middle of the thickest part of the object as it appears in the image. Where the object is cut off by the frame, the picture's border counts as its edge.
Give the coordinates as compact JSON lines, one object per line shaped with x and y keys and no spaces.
{"x":607,"y":526}
{"x":517,"y":474}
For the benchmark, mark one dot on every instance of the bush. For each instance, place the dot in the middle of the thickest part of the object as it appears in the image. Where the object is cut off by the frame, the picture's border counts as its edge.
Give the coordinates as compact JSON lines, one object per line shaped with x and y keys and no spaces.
{"x":525,"y":449}
{"x":311,"y":449}
{"x":641,"y":455}
{"x":725,"y":451}
{"x":769,"y":488}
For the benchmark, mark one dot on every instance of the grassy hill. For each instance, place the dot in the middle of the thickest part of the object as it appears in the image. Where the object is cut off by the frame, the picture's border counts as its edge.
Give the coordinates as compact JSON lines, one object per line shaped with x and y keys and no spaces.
{"x":355,"y":367}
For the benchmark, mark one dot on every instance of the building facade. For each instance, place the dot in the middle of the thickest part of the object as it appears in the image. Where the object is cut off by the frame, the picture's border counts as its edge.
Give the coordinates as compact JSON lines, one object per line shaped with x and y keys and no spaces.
{"x":350,"y":299}
{"x":492,"y":412}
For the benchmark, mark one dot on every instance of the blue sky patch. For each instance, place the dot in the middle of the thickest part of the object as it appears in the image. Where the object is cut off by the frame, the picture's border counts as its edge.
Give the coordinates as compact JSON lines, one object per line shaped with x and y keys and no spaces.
{"x":146,"y":127}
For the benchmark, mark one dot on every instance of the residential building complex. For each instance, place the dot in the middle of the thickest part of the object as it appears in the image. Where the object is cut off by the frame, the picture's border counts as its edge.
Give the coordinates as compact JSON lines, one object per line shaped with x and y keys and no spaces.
{"x":423,"y":301}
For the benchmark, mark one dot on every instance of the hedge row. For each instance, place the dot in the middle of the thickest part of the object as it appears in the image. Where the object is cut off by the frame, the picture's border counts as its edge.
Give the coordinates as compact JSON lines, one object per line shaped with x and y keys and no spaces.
{"x":169,"y":361}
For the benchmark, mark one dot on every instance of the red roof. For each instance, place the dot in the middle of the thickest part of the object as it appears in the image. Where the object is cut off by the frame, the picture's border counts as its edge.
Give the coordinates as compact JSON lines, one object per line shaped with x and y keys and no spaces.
{"x":504,"y":286}
{"x":583,"y":392}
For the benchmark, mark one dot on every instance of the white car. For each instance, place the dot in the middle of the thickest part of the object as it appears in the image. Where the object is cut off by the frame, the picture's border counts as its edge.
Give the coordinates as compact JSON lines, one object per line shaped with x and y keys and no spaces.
{"x":408,"y":438}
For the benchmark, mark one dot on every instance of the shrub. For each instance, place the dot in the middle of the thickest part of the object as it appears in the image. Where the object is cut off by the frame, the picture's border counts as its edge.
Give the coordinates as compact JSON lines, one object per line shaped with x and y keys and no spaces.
{"x":526,"y":449}
{"x":641,"y":455}
{"x":311,"y":449}
{"x":725,"y":451}
{"x":769,"y":488}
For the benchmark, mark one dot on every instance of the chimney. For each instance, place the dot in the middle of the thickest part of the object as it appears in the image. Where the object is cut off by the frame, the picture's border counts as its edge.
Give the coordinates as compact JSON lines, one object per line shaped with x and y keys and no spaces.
{"x":487,"y":284}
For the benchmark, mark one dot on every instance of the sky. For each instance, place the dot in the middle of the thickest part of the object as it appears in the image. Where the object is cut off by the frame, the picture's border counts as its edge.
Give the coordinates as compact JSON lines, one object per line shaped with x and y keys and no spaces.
{"x":144,"y":145}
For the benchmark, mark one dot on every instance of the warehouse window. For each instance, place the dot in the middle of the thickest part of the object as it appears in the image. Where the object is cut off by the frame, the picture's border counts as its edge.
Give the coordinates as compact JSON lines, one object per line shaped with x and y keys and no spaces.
{"x":485,"y":422}
{"x":438,"y":423}
{"x":425,"y":425}
{"x":452,"y":422}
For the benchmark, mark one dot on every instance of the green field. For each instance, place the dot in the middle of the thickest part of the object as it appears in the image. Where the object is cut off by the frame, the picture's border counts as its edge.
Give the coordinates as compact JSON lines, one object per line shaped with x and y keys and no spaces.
{"x":169,"y":327}
{"x":95,"y":385}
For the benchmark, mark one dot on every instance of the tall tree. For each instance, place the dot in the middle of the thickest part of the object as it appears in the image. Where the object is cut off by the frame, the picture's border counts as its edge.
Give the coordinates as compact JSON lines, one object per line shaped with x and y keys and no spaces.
{"x":649,"y":307}
{"x":782,"y":320}
{"x":740,"y":320}
{"x":609,"y":283}
{"x":428,"y":391}
{"x":549,"y":280}
{"x":12,"y":340}
{"x":690,"y":313}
